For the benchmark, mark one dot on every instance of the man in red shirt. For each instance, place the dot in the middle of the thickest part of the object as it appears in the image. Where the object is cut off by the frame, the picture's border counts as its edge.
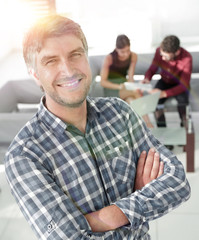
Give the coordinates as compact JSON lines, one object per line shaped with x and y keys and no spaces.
{"x":175,"y":65}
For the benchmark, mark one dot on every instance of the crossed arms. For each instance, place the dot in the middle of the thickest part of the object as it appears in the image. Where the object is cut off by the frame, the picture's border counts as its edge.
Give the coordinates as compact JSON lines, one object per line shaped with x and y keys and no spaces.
{"x":58,"y":209}
{"x":109,"y":218}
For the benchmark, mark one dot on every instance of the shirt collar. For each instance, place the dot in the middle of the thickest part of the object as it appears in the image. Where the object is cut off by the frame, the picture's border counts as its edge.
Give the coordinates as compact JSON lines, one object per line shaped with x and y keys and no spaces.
{"x":56,"y":124}
{"x":92,"y":110}
{"x":49,"y":119}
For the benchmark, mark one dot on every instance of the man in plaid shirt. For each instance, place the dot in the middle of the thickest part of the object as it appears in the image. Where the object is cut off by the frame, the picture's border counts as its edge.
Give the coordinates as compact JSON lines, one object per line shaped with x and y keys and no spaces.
{"x":86,"y":168}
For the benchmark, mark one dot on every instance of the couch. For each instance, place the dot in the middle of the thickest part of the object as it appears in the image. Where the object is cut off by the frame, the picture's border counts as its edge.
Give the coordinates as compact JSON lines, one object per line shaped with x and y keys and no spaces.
{"x":143,"y":63}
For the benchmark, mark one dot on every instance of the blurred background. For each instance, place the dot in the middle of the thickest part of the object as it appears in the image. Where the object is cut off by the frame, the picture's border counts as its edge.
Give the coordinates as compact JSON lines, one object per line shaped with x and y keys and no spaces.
{"x":146,"y":23}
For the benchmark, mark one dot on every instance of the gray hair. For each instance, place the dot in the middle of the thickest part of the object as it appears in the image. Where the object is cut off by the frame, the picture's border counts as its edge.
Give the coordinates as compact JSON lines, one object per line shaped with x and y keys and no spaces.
{"x":49,"y":26}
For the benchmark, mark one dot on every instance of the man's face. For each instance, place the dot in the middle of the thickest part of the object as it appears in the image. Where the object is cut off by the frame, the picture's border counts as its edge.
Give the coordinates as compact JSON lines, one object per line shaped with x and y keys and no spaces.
{"x":167,"y":56}
{"x":63,"y":71}
{"x":123,"y":53}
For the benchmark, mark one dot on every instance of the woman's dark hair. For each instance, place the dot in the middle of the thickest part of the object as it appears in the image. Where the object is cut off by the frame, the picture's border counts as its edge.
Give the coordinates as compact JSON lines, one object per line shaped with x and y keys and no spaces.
{"x":122,"y":41}
{"x":170,"y":44}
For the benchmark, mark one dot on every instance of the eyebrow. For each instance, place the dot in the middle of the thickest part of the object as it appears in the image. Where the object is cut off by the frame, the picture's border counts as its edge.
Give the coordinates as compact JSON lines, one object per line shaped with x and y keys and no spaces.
{"x":79,"y":49}
{"x":48,"y":57}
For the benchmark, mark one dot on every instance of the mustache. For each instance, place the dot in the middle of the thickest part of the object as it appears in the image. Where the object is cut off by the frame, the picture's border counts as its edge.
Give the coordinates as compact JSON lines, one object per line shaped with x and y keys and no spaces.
{"x":75,"y":76}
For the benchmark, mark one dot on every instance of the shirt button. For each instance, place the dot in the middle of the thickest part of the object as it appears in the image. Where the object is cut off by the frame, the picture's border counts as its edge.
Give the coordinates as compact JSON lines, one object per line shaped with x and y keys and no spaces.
{"x":89,"y":235}
{"x":50,"y":226}
{"x":121,"y":149}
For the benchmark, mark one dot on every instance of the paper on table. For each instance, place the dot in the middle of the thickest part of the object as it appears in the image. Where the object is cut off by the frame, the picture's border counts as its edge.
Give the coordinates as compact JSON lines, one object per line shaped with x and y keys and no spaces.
{"x":134,"y":86}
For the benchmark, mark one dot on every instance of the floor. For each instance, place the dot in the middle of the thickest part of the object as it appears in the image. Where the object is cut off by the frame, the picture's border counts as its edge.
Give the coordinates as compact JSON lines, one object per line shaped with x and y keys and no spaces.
{"x":181,"y":224}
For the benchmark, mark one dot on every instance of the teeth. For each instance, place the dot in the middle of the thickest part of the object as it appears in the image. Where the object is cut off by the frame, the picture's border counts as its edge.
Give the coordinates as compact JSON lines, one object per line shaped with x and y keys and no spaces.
{"x":69,"y":84}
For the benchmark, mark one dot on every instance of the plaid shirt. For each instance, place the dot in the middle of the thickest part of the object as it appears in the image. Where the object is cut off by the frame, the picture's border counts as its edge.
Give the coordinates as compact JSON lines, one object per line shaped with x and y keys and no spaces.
{"x":58,"y":174}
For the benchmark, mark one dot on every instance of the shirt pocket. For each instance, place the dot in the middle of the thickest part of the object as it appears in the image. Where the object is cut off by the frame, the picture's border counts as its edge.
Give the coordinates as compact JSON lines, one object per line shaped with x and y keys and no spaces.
{"x":122,"y":162}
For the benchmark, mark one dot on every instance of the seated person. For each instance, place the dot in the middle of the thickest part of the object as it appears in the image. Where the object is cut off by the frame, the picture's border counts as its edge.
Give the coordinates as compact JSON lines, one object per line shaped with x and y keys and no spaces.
{"x":175,"y":64}
{"x":118,"y":68}
{"x":117,"y":65}
{"x":19,"y":91}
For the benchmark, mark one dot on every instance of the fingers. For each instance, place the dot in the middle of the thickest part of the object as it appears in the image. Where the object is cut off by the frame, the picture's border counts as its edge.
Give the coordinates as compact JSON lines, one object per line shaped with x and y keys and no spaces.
{"x":149,"y":163}
{"x":153,"y":167}
{"x":156,"y":165}
{"x":161,"y":169}
{"x":149,"y":168}
{"x":141,"y":163}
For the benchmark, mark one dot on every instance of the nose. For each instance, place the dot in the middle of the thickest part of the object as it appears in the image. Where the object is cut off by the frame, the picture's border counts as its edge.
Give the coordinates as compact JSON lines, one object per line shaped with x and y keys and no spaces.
{"x":66,"y":68}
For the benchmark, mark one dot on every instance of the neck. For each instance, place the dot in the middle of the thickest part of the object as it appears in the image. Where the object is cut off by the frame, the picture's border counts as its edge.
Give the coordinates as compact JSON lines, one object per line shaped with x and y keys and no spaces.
{"x":75,"y":116}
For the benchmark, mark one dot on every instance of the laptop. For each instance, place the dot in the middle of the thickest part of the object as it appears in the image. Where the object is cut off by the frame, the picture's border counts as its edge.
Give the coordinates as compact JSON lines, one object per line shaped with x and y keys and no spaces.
{"x":146,"y":104}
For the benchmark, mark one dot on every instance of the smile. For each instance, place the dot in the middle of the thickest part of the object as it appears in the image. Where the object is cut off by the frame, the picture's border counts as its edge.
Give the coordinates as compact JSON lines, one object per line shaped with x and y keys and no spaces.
{"x":70,"y":84}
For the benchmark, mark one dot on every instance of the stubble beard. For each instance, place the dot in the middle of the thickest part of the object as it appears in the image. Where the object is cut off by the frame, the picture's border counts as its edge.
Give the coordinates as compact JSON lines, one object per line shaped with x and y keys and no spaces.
{"x":71,"y":104}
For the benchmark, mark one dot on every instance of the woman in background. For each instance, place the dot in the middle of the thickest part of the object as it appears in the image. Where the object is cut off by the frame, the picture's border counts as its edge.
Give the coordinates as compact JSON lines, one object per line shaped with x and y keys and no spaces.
{"x":118,"y":68}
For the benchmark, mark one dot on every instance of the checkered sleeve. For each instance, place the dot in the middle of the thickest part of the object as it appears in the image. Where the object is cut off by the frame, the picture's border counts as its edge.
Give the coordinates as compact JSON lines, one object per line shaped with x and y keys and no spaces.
{"x":162,"y":194}
{"x":51,"y":214}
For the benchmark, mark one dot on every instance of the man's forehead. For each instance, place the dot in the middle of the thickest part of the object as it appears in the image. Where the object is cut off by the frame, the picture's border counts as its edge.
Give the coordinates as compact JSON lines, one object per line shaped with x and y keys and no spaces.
{"x":51,"y":45}
{"x":168,"y":54}
{"x":70,"y":38}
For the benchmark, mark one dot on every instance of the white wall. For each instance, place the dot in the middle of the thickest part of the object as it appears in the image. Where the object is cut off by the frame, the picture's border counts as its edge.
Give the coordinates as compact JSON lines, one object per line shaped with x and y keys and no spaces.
{"x":178,"y":17}
{"x":14,"y":18}
{"x":6,"y":43}
{"x":146,"y":22}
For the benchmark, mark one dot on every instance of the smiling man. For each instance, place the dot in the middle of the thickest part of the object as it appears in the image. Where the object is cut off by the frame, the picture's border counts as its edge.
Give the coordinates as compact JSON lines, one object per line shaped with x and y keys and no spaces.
{"x":86,"y":168}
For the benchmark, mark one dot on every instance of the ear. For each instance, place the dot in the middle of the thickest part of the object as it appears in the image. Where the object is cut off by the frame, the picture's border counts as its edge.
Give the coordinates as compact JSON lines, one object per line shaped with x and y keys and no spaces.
{"x":177,"y":52}
{"x":33,"y":74}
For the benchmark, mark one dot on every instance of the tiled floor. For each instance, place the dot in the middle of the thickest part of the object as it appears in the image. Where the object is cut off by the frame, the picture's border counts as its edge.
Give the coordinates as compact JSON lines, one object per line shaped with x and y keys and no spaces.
{"x":180,"y":224}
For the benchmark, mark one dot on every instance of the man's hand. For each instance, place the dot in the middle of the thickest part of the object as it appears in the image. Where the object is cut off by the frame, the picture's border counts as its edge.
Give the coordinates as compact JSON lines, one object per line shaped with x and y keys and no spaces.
{"x":111,"y":217}
{"x":106,"y":219}
{"x":162,"y":93}
{"x":149,"y":168}
{"x":145,"y":80}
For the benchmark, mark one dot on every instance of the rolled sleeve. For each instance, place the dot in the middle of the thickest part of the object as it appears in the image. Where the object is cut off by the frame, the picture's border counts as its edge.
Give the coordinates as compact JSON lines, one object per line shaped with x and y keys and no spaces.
{"x":51,"y":214}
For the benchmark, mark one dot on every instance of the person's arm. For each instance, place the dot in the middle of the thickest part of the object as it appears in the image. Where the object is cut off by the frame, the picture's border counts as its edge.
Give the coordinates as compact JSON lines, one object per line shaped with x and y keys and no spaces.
{"x":104,"y":75}
{"x":161,"y":195}
{"x":131,"y":70}
{"x":184,"y":78}
{"x":156,"y":192}
{"x":163,"y":94}
{"x":111,"y":217}
{"x":149,"y":168}
{"x":153,"y":67}
{"x":106,"y":219}
{"x":50,"y":212}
